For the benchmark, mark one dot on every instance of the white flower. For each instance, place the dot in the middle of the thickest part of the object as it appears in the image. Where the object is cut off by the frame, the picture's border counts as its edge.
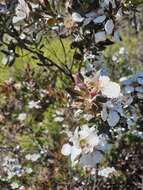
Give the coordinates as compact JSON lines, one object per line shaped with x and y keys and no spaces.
{"x":66,"y":149}
{"x":88,"y":117}
{"x":90,"y":160}
{"x":77,"y":17}
{"x":115,"y":58}
{"x":122,"y":50}
{"x":22,"y":11}
{"x":35,"y":157}
{"x":21,"y":188}
{"x":109,"y":88}
{"x":137,"y":133}
{"x":32,"y":104}
{"x":83,"y":141}
{"x":22,"y":116}
{"x":100,"y":36}
{"x":17,"y":86}
{"x":28,"y":157}
{"x":32,"y":157}
{"x":59,"y":119}
{"x":109,"y":26}
{"x":14,"y":185}
{"x":77,"y":113}
{"x":101,"y":85}
{"x":28,"y":170}
{"x":22,"y":36}
{"x":105,"y":172}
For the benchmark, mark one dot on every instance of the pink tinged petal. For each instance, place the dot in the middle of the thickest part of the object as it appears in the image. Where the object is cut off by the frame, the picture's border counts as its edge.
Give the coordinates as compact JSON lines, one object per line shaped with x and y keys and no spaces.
{"x":66,"y":149}
{"x":82,"y":85}
{"x":113,"y":118}
{"x":112,"y":90}
{"x":109,"y":26}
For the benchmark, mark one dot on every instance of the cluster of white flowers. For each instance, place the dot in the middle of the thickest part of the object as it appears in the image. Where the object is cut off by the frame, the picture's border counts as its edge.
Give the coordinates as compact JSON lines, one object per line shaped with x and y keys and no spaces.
{"x":22,"y":117}
{"x":32,"y":157}
{"x":85,"y":145}
{"x":59,"y":115}
{"x":11,"y":167}
{"x":119,"y":55}
{"x":34,"y":104}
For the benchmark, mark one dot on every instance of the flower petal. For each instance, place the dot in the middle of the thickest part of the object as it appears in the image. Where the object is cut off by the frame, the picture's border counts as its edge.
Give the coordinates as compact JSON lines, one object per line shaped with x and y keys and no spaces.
{"x":112,"y":90}
{"x":75,"y":152}
{"x":66,"y":149}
